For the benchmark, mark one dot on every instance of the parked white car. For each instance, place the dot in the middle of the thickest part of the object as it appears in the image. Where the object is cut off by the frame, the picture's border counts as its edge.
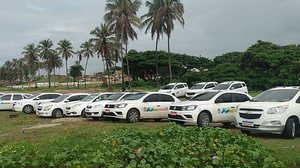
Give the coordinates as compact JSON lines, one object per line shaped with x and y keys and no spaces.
{"x":78,"y":108}
{"x":208,"y":107}
{"x":232,"y":85}
{"x":30,"y":105}
{"x":94,"y":110}
{"x":200,"y":88}
{"x":141,"y":106}
{"x":8,"y":100}
{"x":175,"y":89}
{"x":275,"y":111}
{"x":56,"y":108}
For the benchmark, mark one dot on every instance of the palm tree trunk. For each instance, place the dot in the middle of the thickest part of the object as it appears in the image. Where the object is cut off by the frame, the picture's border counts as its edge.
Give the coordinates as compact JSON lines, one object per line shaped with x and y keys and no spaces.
{"x":115,"y":72}
{"x":122,"y":59}
{"x":170,"y":67}
{"x":108,"y":75}
{"x":67,"y":73}
{"x":127,"y":62}
{"x":86,"y":62}
{"x":156,"y":46}
{"x":35,"y":80}
{"x":49,"y":78}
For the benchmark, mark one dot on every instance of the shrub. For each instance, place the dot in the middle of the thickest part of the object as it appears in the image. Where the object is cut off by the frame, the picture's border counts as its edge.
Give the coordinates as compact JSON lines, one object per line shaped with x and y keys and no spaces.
{"x":172,"y":146}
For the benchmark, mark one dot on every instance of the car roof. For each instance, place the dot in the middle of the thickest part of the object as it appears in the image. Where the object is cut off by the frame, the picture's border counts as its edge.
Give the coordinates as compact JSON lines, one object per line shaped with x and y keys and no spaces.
{"x":176,"y":83}
{"x":286,"y":87}
{"x":231,"y":82}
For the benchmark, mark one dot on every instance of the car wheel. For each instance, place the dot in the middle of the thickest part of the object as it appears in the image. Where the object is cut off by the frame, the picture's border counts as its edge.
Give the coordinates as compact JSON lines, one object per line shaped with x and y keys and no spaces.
{"x":290,"y":129}
{"x":83,"y":114}
{"x":203,"y":119}
{"x":246,"y":132}
{"x":133,"y":116}
{"x":57,"y":113}
{"x":157,"y":120}
{"x":28,"y":109}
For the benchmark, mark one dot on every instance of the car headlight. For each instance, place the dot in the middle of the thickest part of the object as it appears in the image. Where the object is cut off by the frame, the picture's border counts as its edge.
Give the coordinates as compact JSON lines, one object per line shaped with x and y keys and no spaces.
{"x":121,"y":105}
{"x":189,"y":108}
{"x":277,"y":110}
{"x":97,"y":106}
{"x":75,"y":106}
{"x":46,"y":108}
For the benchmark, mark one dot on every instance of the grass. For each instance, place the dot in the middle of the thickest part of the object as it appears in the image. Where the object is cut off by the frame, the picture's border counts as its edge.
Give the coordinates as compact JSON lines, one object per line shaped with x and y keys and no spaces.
{"x":15,"y":131}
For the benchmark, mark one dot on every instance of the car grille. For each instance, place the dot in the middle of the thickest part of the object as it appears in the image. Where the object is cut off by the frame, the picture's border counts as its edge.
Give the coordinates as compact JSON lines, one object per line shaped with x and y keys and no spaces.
{"x":89,"y":107}
{"x":179,"y":117}
{"x":255,"y":126}
{"x":191,"y":93}
{"x":110,"y":114}
{"x":178,"y":108}
{"x":109,"y":106}
{"x":247,"y":109}
{"x":40,"y":108}
{"x":250,"y":116}
{"x":68,"y":108}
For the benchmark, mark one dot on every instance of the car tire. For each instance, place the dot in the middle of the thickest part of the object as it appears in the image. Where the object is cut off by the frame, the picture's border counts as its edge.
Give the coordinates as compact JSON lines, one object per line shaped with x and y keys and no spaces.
{"x":28,"y":109}
{"x":157,"y":120}
{"x":57,"y":113}
{"x":247,"y":132}
{"x":203,"y":119}
{"x":133,"y":116}
{"x":83,"y":113}
{"x":290,"y":129}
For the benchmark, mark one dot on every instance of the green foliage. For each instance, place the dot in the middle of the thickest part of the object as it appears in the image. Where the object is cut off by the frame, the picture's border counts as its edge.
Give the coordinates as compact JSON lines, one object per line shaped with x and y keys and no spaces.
{"x":76,"y":71}
{"x":172,"y":146}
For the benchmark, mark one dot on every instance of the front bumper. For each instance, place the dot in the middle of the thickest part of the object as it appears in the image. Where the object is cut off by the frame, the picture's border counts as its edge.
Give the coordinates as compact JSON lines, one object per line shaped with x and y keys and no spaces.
{"x":188,"y":117}
{"x":114,"y":113}
{"x":42,"y":113}
{"x":17,"y":108}
{"x":73,"y":112}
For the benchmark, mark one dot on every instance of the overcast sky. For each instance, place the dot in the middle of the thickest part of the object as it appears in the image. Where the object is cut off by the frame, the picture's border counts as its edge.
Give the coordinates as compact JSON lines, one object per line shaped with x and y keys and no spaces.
{"x":213,"y":27}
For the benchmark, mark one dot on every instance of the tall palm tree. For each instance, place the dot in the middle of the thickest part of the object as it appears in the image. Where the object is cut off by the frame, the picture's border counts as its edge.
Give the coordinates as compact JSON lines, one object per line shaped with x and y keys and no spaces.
{"x":170,"y":11}
{"x":65,"y":49}
{"x":154,"y":23}
{"x":87,"y":51}
{"x":122,"y":16}
{"x":105,"y":44}
{"x":47,"y":53}
{"x":31,"y":55}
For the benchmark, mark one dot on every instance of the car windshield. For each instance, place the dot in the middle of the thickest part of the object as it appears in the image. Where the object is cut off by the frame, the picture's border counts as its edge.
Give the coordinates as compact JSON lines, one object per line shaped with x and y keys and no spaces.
{"x":90,"y":97}
{"x":204,"y":96}
{"x":198,"y":86}
{"x":33,"y":96}
{"x":60,"y":98}
{"x":135,"y":96}
{"x":278,"y":95}
{"x":167,"y":87}
{"x":222,"y":86}
{"x":115,"y":96}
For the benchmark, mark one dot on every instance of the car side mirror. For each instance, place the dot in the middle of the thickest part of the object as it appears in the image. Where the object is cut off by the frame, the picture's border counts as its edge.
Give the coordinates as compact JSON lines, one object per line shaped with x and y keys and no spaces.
{"x":232,"y":88}
{"x":219,"y":101}
{"x":37,"y":98}
{"x":67,"y":101}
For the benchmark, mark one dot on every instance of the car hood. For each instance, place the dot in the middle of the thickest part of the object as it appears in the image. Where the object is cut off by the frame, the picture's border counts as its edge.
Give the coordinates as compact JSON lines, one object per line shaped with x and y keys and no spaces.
{"x":101,"y":102}
{"x":194,"y":90}
{"x":165,"y":91}
{"x":190,"y":103}
{"x":262,"y":104}
{"x":125,"y":101}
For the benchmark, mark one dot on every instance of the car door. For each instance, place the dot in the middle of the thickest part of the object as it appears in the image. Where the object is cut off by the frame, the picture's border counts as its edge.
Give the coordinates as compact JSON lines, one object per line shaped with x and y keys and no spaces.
{"x":179,"y":90}
{"x":209,"y":86}
{"x":224,"y":107}
{"x":15,"y":98}
{"x":237,"y":87}
{"x":165,"y":103}
{"x":151,"y":107}
{"x":5,"y":101}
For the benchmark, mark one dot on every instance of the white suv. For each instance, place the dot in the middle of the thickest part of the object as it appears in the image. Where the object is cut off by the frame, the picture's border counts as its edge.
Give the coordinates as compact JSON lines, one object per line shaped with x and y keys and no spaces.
{"x":208,"y":107}
{"x":175,"y":89}
{"x":273,"y":111}
{"x":232,"y":85}
{"x":199,"y":88}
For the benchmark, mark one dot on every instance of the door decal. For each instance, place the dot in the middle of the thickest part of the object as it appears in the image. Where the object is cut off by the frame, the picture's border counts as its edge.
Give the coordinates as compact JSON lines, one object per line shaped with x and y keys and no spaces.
{"x":151,"y":109}
{"x":226,"y":110}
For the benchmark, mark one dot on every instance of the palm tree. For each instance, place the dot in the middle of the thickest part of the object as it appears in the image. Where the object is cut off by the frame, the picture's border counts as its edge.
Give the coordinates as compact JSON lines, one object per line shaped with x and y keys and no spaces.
{"x":87,"y":51}
{"x":47,"y":53}
{"x":31,"y":57}
{"x":105,"y":44}
{"x":154,"y":23}
{"x":122,"y":16}
{"x":65,"y":49}
{"x":170,"y":11}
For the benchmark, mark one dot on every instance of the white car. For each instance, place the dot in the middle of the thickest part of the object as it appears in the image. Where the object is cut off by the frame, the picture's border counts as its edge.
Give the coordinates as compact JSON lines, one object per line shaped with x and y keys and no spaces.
{"x":208,"y":107}
{"x":56,"y":108}
{"x":94,"y":110}
{"x":275,"y":110}
{"x":232,"y":85}
{"x":78,"y":108}
{"x":30,"y":105}
{"x":8,"y":100}
{"x":199,"y":88}
{"x":141,"y":106}
{"x":175,"y":89}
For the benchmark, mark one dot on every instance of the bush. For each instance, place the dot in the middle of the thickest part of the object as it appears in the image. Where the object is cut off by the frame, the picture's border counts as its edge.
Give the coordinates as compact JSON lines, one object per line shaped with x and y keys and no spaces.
{"x":142,"y":83}
{"x":172,"y":146}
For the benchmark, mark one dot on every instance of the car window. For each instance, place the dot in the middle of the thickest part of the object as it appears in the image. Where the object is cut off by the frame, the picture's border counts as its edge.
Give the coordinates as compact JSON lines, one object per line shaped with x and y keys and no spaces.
{"x":76,"y":98}
{"x":236,"y":86}
{"x":236,"y":97}
{"x":6,"y":97}
{"x":166,"y":98}
{"x":45,"y":97}
{"x":180,"y":86}
{"x":54,"y":96}
{"x":152,"y":98}
{"x":225,"y":98}
{"x":209,"y":86}
{"x":17,"y":97}
{"x":298,"y":100}
{"x":204,"y":96}
{"x":244,"y":85}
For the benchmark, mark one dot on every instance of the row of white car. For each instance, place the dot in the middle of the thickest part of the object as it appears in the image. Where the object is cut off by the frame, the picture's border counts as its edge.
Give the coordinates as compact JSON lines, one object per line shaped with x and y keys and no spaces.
{"x":181,"y":89}
{"x":274,"y":111}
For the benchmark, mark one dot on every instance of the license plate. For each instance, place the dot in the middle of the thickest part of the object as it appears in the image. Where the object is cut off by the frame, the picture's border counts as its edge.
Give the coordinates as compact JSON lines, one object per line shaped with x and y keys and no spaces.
{"x":106,"y":111}
{"x":173,"y":113}
{"x":248,"y":124}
